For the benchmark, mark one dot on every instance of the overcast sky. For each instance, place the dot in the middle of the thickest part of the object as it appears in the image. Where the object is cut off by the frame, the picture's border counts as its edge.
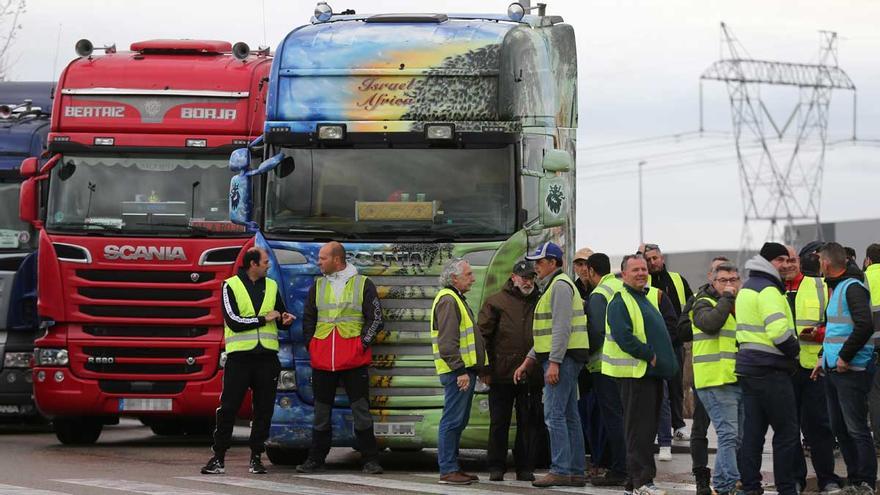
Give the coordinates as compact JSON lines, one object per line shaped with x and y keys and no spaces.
{"x":639,"y":67}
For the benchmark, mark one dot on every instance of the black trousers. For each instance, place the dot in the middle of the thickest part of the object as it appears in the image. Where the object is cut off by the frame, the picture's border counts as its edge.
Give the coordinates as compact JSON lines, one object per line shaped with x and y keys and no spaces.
{"x":676,"y":391}
{"x":504,"y":398}
{"x":259,"y":373}
{"x":641,"y":410}
{"x":356,"y":382}
{"x":699,"y":440}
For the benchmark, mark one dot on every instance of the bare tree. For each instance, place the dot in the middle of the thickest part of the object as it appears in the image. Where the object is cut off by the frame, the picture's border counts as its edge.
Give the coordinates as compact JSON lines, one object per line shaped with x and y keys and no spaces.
{"x":10,"y":13}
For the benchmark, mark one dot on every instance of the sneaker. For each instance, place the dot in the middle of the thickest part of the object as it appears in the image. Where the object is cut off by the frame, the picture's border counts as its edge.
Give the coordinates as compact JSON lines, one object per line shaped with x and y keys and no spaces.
{"x":214,"y":466}
{"x":649,"y":489}
{"x":665,"y":454}
{"x":610,"y":478}
{"x":552,"y":479}
{"x":831,"y":489}
{"x":372,"y":467}
{"x":496,"y":476}
{"x":863,"y":489}
{"x":456,"y":478}
{"x":681,"y":435}
{"x":525,"y":476}
{"x":256,"y":465}
{"x":310,"y":466}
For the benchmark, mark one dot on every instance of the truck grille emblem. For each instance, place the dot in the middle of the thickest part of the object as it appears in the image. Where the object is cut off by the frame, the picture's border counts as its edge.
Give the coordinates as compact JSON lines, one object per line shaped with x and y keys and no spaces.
{"x":194,"y":277}
{"x":190,"y":360}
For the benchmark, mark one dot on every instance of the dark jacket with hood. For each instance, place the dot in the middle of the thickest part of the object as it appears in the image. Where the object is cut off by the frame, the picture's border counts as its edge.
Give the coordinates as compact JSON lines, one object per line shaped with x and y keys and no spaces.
{"x":663,"y":281}
{"x":751,"y":362}
{"x":858,"y":299}
{"x":505,"y":321}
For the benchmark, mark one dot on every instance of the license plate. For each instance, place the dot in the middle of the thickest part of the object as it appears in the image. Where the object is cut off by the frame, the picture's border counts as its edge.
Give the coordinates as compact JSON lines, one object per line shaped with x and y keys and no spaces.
{"x":9,"y":409}
{"x":138,"y":404}
{"x":394,"y":429}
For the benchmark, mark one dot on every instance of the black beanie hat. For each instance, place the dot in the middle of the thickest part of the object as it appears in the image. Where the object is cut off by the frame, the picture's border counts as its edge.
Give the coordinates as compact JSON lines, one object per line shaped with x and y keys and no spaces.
{"x":772,"y":250}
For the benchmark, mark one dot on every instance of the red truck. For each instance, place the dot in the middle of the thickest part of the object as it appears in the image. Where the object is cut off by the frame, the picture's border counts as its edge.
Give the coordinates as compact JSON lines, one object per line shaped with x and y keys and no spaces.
{"x":131,"y":203}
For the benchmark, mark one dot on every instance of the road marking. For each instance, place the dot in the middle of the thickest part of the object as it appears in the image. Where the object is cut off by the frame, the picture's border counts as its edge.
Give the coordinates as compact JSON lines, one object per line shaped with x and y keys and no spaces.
{"x":136,"y":487}
{"x":271,"y":486}
{"x":20,"y":490}
{"x":393,"y":484}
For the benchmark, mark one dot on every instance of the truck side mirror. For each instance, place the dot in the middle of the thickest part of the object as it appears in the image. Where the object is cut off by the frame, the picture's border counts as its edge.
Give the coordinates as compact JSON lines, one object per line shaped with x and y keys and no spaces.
{"x":273,"y":162}
{"x":555,"y":201}
{"x":557,"y":161}
{"x":29,"y":167}
{"x":240,"y":160}
{"x":239,"y":200}
{"x":29,"y":202}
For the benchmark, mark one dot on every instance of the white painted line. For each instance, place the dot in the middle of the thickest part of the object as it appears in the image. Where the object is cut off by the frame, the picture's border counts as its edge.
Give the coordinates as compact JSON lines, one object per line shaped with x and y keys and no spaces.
{"x":255,"y":484}
{"x":393,"y":484}
{"x":136,"y":487}
{"x":21,"y":490}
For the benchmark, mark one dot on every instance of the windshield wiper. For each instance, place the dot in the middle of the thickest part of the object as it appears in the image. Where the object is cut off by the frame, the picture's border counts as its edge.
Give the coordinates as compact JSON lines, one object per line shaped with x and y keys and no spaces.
{"x":308,"y":229}
{"x":85,"y":225}
{"x":189,"y":227}
{"x":433,"y":235}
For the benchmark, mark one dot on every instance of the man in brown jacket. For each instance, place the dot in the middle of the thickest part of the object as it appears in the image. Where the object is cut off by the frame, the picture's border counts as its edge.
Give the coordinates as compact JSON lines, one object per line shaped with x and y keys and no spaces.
{"x":505,"y":322}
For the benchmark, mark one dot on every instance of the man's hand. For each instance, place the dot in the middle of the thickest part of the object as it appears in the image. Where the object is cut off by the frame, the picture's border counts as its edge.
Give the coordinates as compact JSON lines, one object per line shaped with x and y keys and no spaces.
{"x":552,"y":375}
{"x":729,"y":291}
{"x":842,"y":366}
{"x":654,"y":361}
{"x":287,"y":318}
{"x":463,"y":382}
{"x":817,"y":371}
{"x":807,"y":333}
{"x":520,"y":373}
{"x":272,"y":315}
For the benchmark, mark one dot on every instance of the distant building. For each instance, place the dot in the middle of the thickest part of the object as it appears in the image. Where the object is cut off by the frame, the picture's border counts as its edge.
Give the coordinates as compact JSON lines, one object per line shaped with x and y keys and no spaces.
{"x":857,"y":234}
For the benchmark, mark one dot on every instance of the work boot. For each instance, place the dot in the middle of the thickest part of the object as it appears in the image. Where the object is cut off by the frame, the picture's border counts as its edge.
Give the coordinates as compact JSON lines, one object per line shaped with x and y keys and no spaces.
{"x":256,"y":465}
{"x":610,"y":478}
{"x":578,"y":480}
{"x":473,"y":477}
{"x":525,"y":476}
{"x":310,"y":466}
{"x":703,"y":476}
{"x":456,"y":478}
{"x":552,"y":479}
{"x":372,"y":467}
{"x":496,"y":476}
{"x":215,"y":465}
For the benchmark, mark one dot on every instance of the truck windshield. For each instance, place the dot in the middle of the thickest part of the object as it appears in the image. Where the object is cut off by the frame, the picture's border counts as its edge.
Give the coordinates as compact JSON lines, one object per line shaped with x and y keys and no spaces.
{"x":382,"y":193}
{"x":14,"y":234}
{"x":141,"y":195}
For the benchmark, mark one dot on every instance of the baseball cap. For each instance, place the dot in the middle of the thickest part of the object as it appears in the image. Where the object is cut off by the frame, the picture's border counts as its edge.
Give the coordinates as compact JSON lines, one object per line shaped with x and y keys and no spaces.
{"x":810,"y":248}
{"x":524,"y":268}
{"x":583,"y":254}
{"x":546,"y":250}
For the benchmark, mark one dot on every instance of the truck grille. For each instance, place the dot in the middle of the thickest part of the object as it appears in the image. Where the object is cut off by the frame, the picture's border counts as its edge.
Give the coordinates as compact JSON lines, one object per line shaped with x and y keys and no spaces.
{"x":140,"y":361}
{"x":144,"y":331}
{"x":168,"y":312}
{"x":146,"y":277}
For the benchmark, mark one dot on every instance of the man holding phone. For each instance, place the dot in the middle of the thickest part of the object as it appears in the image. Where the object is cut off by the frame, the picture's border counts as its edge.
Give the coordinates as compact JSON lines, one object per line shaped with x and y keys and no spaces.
{"x":807,"y":295}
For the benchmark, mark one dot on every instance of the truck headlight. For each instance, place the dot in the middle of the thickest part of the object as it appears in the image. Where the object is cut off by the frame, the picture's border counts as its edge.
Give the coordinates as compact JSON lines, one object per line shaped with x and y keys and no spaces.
{"x":287,"y":380}
{"x":51,"y":357}
{"x":17,"y":359}
{"x":331,"y":132}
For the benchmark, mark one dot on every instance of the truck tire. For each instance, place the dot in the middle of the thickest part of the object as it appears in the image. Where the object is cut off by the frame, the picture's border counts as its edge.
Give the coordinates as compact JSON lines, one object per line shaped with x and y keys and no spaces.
{"x":286,"y":457}
{"x":167,"y":427}
{"x":77,"y":431}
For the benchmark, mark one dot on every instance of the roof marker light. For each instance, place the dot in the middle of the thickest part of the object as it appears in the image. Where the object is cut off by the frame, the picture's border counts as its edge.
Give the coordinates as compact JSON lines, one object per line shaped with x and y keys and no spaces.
{"x":323,"y":12}
{"x":104,"y":141}
{"x":196,"y":143}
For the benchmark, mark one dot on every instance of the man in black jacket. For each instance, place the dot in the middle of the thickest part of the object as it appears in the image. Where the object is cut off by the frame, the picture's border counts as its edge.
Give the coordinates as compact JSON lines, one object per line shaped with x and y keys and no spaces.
{"x":505,"y":322}
{"x":251,"y":338}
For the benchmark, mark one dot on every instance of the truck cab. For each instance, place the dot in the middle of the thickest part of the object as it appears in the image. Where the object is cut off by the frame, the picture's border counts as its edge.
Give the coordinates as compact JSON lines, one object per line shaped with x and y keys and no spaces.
{"x":134,"y":235}
{"x":24,"y":124}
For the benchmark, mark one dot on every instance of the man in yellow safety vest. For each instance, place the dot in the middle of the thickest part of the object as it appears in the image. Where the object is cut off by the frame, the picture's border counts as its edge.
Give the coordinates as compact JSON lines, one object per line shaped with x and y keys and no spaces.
{"x":252,"y":311}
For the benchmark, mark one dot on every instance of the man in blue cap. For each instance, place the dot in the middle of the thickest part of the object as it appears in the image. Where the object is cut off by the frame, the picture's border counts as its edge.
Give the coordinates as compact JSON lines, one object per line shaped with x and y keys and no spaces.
{"x":561,"y":346}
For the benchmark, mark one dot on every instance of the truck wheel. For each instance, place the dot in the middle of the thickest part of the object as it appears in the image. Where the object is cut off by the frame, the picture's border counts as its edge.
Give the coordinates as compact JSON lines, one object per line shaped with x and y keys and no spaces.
{"x":77,"y":431}
{"x":167,"y":427}
{"x":286,"y":457}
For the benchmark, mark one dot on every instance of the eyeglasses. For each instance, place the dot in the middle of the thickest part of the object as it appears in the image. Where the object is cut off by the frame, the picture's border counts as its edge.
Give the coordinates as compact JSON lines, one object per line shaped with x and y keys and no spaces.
{"x":727,"y":280}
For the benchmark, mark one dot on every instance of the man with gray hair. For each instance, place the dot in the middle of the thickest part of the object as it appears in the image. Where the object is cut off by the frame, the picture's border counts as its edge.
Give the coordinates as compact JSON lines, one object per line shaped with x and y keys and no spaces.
{"x":459,"y":354}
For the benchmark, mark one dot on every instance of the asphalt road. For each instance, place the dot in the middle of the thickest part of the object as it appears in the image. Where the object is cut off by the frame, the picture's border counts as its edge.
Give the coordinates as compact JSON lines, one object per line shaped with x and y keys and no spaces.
{"x":129,"y":459}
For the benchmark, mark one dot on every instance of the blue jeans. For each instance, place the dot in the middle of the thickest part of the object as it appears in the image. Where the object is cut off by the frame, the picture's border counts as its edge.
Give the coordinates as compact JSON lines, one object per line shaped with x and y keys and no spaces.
{"x":768,"y":401}
{"x":664,"y":425}
{"x":725,"y":408}
{"x":848,"y":411}
{"x":453,"y":421}
{"x":563,"y":421}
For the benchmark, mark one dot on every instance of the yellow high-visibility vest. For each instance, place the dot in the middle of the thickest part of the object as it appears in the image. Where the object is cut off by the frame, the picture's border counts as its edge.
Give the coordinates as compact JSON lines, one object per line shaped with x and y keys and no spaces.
{"x":467,"y":342}
{"x":266,"y":335}
{"x":542,"y":322}
{"x":615,"y":361}
{"x":608,"y":286}
{"x":714,"y":356}
{"x":810,"y":303}
{"x":346,"y":314}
